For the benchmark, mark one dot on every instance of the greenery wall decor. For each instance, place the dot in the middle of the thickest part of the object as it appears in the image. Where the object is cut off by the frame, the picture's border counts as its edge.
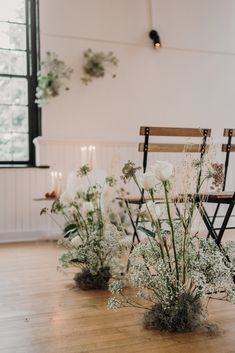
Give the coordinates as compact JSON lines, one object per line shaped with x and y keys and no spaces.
{"x":53,"y":75}
{"x":95,"y":64}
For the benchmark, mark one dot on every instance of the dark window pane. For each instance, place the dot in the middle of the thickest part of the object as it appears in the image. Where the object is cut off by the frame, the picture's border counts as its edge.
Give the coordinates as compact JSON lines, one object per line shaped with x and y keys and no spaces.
{"x":13,"y":119}
{"x":5,"y":147}
{"x":12,"y":10}
{"x":5,"y":118}
{"x":20,"y":119}
{"x":5,"y":62}
{"x":15,"y":59}
{"x":18,"y":63}
{"x":13,"y":62}
{"x":20,"y":147}
{"x":13,"y":91}
{"x":13,"y":36}
{"x":14,"y":147}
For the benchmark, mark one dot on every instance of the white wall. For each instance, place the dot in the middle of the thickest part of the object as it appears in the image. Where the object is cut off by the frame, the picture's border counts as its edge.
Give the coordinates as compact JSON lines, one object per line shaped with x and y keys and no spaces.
{"x":190,"y":81}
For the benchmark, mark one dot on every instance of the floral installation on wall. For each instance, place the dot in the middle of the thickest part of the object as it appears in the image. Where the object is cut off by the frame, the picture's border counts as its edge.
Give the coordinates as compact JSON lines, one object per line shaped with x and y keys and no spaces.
{"x":53,"y":75}
{"x":94,"y":237}
{"x":175,"y":269}
{"x":96,"y":65}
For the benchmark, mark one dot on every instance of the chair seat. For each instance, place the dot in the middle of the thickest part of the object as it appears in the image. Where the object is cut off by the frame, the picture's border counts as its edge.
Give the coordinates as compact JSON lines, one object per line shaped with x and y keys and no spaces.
{"x":212,"y":197}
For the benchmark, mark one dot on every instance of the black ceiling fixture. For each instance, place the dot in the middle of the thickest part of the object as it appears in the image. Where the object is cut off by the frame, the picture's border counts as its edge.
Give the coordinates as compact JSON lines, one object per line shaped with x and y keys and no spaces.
{"x":155,"y":38}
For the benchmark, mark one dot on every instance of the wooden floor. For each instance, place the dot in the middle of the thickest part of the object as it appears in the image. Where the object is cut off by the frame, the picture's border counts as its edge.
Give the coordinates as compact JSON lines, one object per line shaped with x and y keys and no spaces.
{"x":40,"y":312}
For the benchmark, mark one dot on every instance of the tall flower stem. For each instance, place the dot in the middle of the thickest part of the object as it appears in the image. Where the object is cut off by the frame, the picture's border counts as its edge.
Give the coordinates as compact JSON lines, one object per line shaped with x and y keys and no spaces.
{"x":153,"y":221}
{"x":165,"y":185}
{"x":184,"y":255}
{"x":157,"y":224}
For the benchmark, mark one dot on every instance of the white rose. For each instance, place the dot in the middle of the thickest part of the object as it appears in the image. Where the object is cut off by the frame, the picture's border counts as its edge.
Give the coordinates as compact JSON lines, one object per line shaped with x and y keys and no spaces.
{"x":87,"y":207}
{"x":76,"y":241}
{"x":148,"y":180}
{"x":151,"y":210}
{"x":66,"y":198}
{"x":163,"y":170}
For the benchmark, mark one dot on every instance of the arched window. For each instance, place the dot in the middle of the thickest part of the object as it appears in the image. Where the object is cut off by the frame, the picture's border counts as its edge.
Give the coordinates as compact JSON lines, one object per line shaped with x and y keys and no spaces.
{"x":19,"y":52}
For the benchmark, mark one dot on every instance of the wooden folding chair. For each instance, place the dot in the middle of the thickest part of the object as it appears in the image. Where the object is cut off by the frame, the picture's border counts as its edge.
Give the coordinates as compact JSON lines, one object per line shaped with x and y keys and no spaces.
{"x":149,"y":147}
{"x":227,"y":148}
{"x":220,"y":198}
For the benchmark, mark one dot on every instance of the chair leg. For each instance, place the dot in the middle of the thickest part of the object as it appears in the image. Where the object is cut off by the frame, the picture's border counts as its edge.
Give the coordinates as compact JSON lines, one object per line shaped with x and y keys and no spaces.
{"x":214,"y":217}
{"x":135,"y":233}
{"x":225,"y":222}
{"x":207,"y":222}
{"x":134,"y":224}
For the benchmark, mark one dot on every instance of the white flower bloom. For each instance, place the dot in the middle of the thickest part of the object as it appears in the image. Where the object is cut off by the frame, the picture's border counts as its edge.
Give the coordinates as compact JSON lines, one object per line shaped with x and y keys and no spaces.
{"x":162,"y":170}
{"x":66,"y":198}
{"x":148,"y":180}
{"x":76,"y":241}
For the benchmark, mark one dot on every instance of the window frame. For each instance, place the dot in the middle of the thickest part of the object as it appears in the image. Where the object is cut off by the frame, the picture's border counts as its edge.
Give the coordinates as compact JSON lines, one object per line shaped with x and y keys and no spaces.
{"x":32,"y":60}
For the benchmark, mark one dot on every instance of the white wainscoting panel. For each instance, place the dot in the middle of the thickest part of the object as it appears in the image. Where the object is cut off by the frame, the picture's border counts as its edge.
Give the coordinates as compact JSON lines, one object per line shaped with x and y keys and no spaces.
{"x":20,"y":214}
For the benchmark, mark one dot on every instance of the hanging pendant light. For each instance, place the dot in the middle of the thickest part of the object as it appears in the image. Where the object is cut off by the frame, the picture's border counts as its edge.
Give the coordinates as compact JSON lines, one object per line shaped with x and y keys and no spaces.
{"x":155,"y":38}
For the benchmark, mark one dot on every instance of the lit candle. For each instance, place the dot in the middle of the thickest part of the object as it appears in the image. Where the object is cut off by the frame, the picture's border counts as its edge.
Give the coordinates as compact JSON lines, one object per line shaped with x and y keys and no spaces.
{"x":58,"y":190}
{"x":92,"y":157}
{"x":84,"y":156}
{"x":53,"y":180}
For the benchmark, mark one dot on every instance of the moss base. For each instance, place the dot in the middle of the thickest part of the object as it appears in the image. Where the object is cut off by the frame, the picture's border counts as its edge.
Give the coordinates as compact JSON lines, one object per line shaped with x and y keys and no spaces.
{"x":184,"y":315}
{"x":86,"y":280}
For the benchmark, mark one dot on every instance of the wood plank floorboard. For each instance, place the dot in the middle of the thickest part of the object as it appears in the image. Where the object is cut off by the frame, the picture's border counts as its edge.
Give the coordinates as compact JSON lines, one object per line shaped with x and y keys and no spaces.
{"x":41,"y":312}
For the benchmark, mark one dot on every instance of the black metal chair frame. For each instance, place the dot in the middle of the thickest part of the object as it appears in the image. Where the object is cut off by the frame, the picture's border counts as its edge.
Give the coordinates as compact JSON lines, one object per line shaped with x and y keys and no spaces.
{"x":205,"y":134}
{"x":228,"y":146}
{"x":217,"y":233}
{"x":219,"y":199}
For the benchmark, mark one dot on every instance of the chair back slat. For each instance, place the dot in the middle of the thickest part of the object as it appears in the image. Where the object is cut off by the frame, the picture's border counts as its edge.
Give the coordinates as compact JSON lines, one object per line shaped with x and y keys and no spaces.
{"x":157,"y":131}
{"x":170,"y":147}
{"x":173,"y":131}
{"x":228,"y":148}
{"x":229,"y":132}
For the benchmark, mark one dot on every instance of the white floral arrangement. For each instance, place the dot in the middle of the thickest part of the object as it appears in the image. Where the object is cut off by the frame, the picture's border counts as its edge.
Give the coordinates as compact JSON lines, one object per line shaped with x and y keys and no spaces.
{"x":175,"y":268}
{"x":94,"y":239}
{"x":53,"y":75}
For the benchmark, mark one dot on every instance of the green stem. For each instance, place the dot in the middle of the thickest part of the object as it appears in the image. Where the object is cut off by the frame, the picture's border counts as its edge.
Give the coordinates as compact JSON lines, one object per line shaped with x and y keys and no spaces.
{"x":172,"y":229}
{"x":83,"y":221}
{"x":158,"y":233}
{"x":157,"y":225}
{"x":133,"y":303}
{"x":54,"y":220}
{"x":184,"y":254}
{"x":168,"y":254}
{"x":144,"y":200}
